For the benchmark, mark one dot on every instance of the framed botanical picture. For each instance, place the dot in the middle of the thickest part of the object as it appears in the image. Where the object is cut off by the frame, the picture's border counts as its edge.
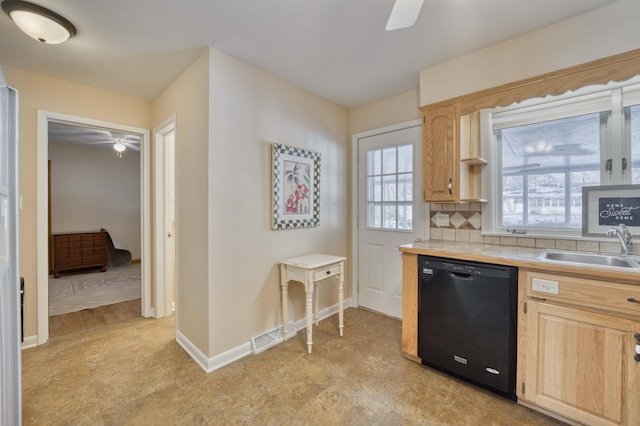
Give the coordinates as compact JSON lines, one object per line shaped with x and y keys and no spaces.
{"x":605,"y":207}
{"x":296,"y":187}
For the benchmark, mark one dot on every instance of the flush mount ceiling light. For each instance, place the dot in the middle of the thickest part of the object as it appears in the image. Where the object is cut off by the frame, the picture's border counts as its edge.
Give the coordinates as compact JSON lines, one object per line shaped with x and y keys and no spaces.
{"x":404,"y":14}
{"x":38,"y":22}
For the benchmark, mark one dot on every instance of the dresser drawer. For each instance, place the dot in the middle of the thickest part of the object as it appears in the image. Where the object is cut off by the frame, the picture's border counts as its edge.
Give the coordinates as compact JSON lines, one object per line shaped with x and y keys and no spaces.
{"x":607,"y":296}
{"x":94,"y":260}
{"x":330,"y":271}
{"x":68,"y":263}
{"x":61,"y":245}
{"x":61,"y":254}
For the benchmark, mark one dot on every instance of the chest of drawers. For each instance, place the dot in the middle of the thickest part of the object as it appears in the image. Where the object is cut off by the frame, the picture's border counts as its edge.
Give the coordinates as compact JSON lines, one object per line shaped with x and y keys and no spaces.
{"x":79,"y":250}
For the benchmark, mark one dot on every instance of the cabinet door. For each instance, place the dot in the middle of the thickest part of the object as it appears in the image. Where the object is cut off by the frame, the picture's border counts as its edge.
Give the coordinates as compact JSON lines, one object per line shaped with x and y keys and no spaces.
{"x":440,"y":164}
{"x":580,"y":365}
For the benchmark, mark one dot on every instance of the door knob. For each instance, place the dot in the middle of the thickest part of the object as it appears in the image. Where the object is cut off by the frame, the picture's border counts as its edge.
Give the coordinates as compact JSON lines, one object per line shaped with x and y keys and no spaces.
{"x":169,"y":235}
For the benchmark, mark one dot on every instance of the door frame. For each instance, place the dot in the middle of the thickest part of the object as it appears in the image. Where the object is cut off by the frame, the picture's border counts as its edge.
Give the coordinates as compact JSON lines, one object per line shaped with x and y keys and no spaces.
{"x":42,"y":221}
{"x":355,"y":264}
{"x":163,"y":293}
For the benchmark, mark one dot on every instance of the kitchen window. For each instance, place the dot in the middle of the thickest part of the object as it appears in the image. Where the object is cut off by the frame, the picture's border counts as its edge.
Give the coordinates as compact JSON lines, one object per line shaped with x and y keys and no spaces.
{"x":546,"y":151}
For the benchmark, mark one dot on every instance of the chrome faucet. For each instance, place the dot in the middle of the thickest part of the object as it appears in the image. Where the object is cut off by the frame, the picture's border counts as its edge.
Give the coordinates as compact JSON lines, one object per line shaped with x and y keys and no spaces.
{"x":625,"y":237}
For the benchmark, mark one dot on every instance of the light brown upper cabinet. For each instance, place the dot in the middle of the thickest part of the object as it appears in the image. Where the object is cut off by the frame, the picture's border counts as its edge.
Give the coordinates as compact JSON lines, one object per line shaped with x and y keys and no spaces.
{"x":440,"y":155}
{"x":451,"y":162}
{"x":451,"y":158}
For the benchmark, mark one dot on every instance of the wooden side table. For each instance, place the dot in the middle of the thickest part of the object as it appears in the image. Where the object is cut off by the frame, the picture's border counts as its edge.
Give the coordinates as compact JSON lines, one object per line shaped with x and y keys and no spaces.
{"x":309,"y":270}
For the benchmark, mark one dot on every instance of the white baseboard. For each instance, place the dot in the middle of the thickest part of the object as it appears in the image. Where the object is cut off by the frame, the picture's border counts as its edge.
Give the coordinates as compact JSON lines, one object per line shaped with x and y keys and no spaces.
{"x":213,"y":363}
{"x":234,"y":354}
{"x":29,"y":342}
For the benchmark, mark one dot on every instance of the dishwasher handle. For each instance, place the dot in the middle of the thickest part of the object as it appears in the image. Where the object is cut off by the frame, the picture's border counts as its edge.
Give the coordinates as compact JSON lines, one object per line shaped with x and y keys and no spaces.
{"x":461,"y":276}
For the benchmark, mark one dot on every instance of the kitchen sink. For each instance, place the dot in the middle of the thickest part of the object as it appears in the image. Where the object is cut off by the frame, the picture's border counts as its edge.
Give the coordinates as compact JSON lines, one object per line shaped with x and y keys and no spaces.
{"x":594,"y":259}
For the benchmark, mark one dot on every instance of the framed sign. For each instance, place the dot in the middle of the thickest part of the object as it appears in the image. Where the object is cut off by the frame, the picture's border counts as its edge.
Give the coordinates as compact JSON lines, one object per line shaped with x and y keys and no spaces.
{"x":605,"y":207}
{"x":296,"y":187}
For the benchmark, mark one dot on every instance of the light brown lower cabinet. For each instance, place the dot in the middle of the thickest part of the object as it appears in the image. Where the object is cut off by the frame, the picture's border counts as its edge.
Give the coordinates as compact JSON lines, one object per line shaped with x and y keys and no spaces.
{"x":579,"y":363}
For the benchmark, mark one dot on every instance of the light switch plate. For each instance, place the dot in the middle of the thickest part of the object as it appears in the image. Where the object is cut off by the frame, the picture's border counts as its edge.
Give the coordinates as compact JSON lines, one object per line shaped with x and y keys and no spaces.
{"x":442,"y":219}
{"x":544,"y":286}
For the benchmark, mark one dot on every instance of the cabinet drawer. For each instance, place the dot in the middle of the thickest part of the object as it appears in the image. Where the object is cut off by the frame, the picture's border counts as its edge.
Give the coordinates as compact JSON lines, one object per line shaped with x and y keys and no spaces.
{"x":100,"y":238}
{"x":321,"y":274}
{"x":87,"y":244}
{"x":87,"y":252}
{"x":87,"y":237}
{"x":100,"y":250}
{"x":75,"y":237}
{"x":60,"y":238}
{"x":68,"y":263}
{"x":596,"y":294}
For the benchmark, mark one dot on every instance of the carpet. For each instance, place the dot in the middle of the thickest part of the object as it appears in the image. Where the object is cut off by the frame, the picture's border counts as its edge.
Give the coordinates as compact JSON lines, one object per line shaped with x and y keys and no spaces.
{"x":76,"y":292}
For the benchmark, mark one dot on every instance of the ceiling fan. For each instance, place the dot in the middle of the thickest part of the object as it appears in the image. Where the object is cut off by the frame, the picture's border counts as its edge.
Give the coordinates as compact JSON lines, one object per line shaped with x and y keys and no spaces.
{"x":121,"y":142}
{"x":404,"y":14}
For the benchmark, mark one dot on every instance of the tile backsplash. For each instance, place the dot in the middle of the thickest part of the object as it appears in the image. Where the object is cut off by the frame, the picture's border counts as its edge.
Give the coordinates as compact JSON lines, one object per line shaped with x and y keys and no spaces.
{"x":465,"y":225}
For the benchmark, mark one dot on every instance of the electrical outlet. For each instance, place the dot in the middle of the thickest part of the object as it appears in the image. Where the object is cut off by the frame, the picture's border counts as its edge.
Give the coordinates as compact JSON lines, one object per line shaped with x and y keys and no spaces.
{"x":544,"y":286}
{"x":442,"y":219}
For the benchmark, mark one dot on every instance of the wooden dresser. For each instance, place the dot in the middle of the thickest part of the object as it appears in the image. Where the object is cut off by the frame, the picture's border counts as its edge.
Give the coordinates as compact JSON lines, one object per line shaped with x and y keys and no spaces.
{"x":79,"y":250}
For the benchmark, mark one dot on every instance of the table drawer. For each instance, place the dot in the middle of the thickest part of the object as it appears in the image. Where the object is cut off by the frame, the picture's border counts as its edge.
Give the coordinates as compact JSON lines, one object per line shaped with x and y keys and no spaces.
{"x":330,"y":271}
{"x":602,"y":295}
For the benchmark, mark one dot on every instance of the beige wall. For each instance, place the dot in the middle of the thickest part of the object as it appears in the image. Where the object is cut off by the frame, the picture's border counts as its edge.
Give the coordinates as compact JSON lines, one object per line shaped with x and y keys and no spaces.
{"x":93,"y":188}
{"x":385,"y":112}
{"x":603,"y":32}
{"x":252,"y":109}
{"x":188,"y":98}
{"x":37,"y":91}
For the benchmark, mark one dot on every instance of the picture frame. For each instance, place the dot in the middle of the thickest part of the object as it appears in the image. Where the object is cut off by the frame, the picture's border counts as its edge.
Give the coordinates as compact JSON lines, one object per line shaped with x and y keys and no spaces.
{"x":604,"y":207}
{"x":296,"y":187}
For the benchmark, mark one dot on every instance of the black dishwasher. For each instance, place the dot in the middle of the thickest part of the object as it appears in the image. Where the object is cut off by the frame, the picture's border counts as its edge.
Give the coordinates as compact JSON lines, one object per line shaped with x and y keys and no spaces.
{"x":467,"y":321}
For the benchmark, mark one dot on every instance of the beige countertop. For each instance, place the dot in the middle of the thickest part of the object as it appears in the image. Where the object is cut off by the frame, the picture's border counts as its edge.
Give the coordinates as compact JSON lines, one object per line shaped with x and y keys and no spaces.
{"x":522,"y":257}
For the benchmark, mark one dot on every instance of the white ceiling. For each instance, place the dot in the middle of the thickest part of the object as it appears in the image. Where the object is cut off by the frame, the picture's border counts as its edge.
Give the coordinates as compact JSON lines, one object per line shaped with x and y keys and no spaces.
{"x":77,"y":134}
{"x":338,"y":49}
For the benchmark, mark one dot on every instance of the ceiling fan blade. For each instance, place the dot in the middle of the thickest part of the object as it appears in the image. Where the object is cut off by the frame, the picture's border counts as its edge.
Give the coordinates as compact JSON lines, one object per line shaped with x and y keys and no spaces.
{"x":404,"y":14}
{"x":132,"y":146}
{"x":98,"y":142}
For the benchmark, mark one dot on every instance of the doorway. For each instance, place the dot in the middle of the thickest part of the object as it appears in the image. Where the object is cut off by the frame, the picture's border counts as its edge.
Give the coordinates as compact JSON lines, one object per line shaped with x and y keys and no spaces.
{"x":164,"y":137}
{"x":388,"y":211}
{"x":44,"y":119}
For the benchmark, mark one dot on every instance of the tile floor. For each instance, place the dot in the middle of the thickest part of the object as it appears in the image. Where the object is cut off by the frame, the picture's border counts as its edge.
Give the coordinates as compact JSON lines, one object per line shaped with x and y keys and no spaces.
{"x":134,"y":373}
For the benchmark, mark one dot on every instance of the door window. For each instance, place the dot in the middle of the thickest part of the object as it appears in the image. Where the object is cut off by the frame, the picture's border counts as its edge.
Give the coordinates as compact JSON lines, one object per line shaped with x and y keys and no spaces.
{"x":390,"y":188}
